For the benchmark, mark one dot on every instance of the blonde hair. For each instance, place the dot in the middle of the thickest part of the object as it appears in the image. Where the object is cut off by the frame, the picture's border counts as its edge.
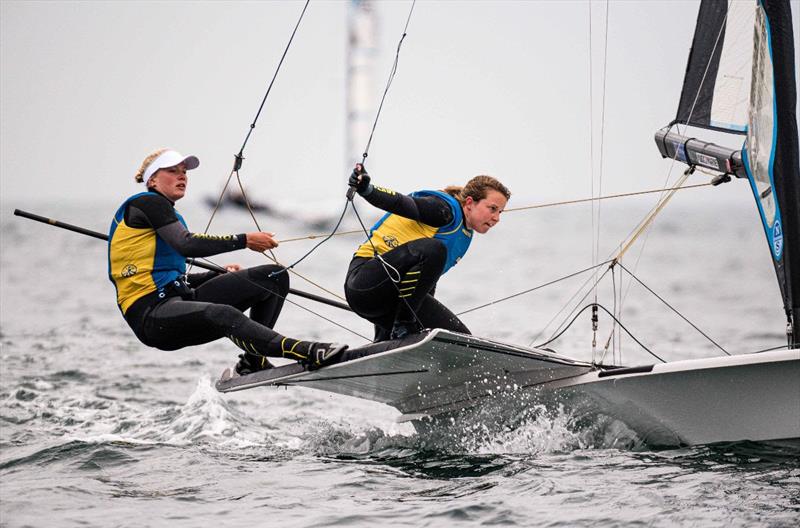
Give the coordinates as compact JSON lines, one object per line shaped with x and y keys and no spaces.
{"x":478,"y":187}
{"x":146,"y":163}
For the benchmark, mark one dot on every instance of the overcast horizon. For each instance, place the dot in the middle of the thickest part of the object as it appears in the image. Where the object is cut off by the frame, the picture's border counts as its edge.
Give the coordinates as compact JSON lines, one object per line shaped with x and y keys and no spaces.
{"x":89,"y":88}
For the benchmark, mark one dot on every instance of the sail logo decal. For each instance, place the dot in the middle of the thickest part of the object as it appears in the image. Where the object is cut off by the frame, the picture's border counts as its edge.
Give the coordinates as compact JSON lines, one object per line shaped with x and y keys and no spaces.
{"x":777,"y":240}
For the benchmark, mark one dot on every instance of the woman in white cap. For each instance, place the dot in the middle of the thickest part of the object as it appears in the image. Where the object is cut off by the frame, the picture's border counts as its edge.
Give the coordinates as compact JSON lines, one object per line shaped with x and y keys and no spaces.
{"x":166,"y":309}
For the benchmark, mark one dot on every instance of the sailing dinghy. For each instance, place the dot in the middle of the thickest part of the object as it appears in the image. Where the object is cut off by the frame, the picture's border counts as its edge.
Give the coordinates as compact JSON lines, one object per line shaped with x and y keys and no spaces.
{"x":740,"y":79}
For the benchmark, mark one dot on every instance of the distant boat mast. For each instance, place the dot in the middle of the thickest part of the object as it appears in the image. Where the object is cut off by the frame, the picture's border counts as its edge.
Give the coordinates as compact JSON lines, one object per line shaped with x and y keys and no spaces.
{"x":362,"y":35}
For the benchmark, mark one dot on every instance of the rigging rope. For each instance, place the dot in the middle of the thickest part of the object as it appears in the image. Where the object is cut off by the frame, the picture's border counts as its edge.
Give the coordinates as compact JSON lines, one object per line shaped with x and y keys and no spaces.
{"x":657,"y":296}
{"x":779,"y":347}
{"x":591,"y":288}
{"x":631,"y":238}
{"x":239,"y":158}
{"x":596,"y":228}
{"x":388,"y":268}
{"x":522,"y":208}
{"x":542,"y":345}
{"x":610,"y":196}
{"x":389,"y":83}
{"x":614,"y":324}
{"x":642,"y":227}
{"x":674,"y":158}
{"x":366,"y":150}
{"x":647,"y":221}
{"x":496,"y":301}
{"x":296,"y":304}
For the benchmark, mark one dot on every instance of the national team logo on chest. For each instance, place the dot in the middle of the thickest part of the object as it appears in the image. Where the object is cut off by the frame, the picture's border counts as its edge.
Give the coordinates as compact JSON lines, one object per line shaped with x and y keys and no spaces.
{"x":390,"y":241}
{"x":129,"y":270}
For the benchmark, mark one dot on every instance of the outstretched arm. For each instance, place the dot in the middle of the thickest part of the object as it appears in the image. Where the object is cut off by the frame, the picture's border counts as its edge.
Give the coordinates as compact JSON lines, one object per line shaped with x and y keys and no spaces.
{"x":157,"y":212}
{"x":429,"y":210}
{"x":191,"y":244}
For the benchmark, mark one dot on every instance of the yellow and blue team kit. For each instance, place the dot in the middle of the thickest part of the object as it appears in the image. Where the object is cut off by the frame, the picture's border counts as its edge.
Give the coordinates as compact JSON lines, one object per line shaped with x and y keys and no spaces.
{"x":139,"y":261}
{"x":393,"y":230}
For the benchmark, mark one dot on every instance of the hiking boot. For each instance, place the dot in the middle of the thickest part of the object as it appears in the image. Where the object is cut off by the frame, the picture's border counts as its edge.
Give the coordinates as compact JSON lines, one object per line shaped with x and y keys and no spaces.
{"x":321,"y":354}
{"x":250,"y":363}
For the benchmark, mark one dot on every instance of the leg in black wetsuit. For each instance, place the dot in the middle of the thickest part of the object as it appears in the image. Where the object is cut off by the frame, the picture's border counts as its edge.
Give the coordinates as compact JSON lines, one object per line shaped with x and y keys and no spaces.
{"x":376,"y":297}
{"x":217,"y":311}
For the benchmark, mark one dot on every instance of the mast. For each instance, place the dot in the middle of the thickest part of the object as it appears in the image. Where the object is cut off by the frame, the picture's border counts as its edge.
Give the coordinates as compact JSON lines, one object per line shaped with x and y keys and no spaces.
{"x":740,"y":79}
{"x":362,"y":32}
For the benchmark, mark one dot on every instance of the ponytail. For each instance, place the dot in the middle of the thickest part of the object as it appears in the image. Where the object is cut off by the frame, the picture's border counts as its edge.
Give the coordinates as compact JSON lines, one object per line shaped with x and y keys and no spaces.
{"x":478,"y":187}
{"x":139,"y":177}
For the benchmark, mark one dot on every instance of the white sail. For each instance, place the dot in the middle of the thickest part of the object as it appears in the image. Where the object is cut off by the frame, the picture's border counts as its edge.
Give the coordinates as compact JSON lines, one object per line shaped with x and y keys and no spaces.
{"x":729,"y":107}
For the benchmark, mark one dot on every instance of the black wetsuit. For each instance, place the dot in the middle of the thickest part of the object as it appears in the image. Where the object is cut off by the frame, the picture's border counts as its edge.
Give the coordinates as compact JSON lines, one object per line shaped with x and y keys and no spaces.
{"x":204,"y":307}
{"x":369,"y":287}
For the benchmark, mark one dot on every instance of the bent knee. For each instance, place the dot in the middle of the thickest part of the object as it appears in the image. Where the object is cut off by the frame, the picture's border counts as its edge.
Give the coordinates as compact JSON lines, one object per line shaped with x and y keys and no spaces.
{"x":270,"y":276}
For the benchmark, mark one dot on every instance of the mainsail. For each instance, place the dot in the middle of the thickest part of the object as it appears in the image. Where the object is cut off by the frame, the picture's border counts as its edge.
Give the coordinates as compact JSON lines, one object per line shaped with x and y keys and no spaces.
{"x":740,"y":79}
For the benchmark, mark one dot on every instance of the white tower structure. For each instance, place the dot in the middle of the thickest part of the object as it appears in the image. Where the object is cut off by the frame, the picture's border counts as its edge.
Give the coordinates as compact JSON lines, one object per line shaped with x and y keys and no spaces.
{"x":362,"y":36}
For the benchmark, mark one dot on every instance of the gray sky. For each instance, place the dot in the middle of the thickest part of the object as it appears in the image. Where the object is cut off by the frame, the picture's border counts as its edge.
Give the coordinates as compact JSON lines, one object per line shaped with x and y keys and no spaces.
{"x":89,"y":88}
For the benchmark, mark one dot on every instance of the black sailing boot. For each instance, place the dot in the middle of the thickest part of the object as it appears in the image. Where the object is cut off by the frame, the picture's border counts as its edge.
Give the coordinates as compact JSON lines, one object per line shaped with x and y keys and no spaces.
{"x":401,"y":329}
{"x":321,"y":354}
{"x":250,"y":363}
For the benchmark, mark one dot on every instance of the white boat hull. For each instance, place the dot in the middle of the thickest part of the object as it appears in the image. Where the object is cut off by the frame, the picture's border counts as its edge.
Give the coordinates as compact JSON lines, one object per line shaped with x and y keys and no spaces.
{"x":440,"y":374}
{"x":441,"y":371}
{"x":747,"y":397}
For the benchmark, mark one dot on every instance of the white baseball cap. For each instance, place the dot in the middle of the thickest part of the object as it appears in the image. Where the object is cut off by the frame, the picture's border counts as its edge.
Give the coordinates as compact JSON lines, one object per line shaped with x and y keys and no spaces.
{"x":167,"y":159}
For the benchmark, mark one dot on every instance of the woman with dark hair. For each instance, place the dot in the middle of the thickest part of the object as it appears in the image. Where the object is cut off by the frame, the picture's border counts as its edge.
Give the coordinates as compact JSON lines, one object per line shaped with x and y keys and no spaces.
{"x":148,"y":244}
{"x":393,"y":275}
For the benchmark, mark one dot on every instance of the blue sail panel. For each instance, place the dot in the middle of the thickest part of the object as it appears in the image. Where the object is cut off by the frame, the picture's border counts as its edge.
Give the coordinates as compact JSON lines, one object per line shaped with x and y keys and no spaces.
{"x":770,"y":155}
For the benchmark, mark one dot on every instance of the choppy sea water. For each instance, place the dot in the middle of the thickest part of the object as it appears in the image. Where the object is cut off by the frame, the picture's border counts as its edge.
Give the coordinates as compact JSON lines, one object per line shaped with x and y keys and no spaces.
{"x":98,"y":430}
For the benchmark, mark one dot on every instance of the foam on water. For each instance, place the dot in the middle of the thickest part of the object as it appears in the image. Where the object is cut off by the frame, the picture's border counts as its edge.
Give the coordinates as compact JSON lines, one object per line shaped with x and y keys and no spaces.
{"x":205,"y":418}
{"x":97,"y":429}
